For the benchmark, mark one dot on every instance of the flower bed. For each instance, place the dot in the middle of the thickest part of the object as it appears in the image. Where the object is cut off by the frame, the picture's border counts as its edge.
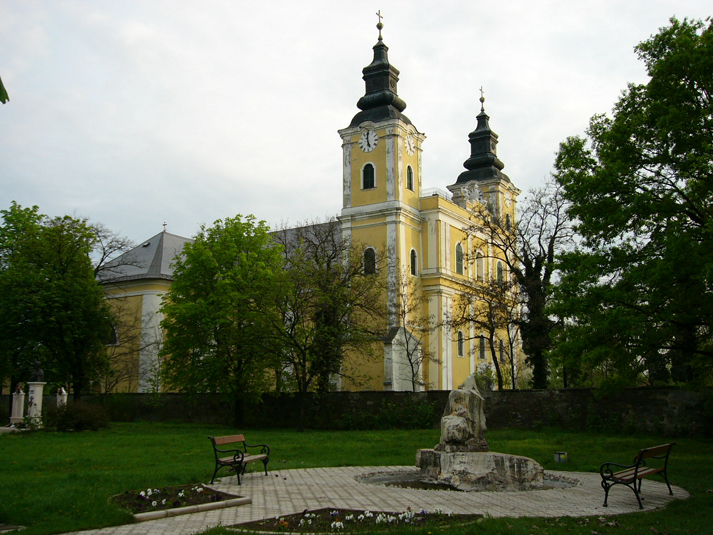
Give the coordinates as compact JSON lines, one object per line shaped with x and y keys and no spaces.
{"x":149,"y":500}
{"x":346,"y":520}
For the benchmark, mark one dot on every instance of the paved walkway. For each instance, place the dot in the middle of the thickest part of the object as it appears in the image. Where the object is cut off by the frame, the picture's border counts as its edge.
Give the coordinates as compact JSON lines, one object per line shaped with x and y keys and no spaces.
{"x":292,"y":491}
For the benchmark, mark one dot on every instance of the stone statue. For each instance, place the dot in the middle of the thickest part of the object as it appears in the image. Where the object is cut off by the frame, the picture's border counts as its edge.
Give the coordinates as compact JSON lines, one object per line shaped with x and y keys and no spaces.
{"x":38,"y":376}
{"x":463,"y":422}
{"x":462,"y":459}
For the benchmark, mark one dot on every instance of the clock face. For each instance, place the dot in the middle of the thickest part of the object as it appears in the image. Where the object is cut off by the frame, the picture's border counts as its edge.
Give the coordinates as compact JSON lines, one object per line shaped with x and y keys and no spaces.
{"x":368,"y":140}
{"x":410,"y":145}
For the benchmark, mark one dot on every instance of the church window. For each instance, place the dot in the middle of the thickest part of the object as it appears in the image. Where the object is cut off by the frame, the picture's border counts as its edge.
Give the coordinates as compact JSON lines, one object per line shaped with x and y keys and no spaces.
{"x":481,"y":348}
{"x":461,"y":344}
{"x":508,"y":223}
{"x":113,"y":338}
{"x":368,"y":177}
{"x":480,"y":266}
{"x":500,"y":273}
{"x":459,"y":259}
{"x":409,"y":178}
{"x":414,"y":263}
{"x":369,"y":261}
{"x":502,"y":352}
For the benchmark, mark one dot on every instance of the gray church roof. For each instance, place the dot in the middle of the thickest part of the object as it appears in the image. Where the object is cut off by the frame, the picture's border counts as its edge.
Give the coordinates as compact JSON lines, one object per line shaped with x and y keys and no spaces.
{"x":150,"y":260}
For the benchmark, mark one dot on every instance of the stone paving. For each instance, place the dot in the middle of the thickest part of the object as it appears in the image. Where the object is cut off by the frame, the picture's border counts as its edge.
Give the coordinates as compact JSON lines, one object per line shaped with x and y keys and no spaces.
{"x":284,"y":492}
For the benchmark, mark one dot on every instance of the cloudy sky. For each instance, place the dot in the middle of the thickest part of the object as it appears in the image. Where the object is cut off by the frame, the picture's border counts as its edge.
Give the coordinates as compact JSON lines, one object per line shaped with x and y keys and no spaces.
{"x":140,"y":112}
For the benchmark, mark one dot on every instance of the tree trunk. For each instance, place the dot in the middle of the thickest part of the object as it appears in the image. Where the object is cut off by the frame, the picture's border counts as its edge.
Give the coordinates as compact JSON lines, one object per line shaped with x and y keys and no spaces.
{"x":301,"y":411}
{"x":77,"y":386}
{"x":238,"y":411}
{"x":498,"y":371}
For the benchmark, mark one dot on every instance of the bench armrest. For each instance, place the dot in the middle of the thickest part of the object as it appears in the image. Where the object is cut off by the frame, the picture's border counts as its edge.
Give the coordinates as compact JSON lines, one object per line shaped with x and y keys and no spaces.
{"x":606,"y":469}
{"x":265,"y":448}
{"x":238,"y":455}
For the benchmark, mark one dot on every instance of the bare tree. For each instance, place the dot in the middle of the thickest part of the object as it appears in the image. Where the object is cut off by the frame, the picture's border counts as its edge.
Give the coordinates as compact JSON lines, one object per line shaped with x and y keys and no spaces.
{"x":133,"y":335}
{"x":486,"y":305}
{"x":107,"y":246}
{"x":529,"y":247}
{"x":409,"y":331}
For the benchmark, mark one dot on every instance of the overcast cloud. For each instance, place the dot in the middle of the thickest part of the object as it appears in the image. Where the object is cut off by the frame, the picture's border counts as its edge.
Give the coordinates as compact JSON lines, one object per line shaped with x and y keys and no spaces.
{"x":137,"y":112}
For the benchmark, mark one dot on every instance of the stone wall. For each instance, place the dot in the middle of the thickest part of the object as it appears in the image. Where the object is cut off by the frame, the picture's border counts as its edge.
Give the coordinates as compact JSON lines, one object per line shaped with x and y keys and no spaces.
{"x":662,"y":411}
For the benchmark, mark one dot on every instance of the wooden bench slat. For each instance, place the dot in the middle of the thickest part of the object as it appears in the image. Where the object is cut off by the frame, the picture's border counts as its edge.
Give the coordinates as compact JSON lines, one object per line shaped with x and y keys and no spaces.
{"x":221,"y":441}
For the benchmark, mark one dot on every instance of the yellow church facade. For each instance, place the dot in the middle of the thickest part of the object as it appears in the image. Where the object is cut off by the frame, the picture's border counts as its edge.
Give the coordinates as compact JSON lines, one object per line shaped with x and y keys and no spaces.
{"x":424,"y":242}
{"x":429,"y":237}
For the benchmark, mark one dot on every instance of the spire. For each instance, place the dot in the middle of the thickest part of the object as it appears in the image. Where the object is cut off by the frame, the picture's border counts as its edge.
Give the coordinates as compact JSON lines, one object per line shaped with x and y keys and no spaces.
{"x":483,"y":163}
{"x":380,"y":100}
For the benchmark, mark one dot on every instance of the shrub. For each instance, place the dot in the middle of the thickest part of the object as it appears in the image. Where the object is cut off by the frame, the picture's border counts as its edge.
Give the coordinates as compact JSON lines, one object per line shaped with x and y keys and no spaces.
{"x":77,"y":417}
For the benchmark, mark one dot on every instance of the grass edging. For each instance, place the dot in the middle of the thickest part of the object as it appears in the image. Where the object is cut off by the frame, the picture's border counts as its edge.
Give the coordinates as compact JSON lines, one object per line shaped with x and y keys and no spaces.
{"x":155,"y":515}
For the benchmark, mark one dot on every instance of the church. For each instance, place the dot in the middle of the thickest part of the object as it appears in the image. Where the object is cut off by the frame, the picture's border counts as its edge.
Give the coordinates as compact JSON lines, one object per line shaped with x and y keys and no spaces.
{"x":430,"y":238}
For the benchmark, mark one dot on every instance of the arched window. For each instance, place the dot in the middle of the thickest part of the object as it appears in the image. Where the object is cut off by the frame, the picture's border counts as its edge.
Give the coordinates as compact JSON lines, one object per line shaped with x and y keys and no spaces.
{"x":508,"y":223}
{"x":481,"y":348}
{"x":409,"y":178}
{"x":459,"y":259}
{"x":501,"y":273}
{"x":461,"y":344}
{"x":369,"y":261}
{"x":368,"y":177}
{"x":479,"y":266}
{"x":113,"y":338}
{"x":502,"y":351}
{"x":414,"y":263}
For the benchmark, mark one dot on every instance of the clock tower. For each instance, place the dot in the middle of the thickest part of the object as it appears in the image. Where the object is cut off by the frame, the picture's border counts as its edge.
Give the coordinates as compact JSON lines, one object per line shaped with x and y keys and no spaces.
{"x":381,"y":152}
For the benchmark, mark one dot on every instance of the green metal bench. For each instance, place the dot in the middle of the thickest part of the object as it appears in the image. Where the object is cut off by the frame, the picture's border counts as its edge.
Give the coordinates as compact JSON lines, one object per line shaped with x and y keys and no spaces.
{"x":632,"y":475}
{"x":239,"y":457}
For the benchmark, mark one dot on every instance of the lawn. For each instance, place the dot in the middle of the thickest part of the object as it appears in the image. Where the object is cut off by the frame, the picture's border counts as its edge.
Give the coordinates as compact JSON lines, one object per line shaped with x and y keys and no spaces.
{"x":58,"y":482}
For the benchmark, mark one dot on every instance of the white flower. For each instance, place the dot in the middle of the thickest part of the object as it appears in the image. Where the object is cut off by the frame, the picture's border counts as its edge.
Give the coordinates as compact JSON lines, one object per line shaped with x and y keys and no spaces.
{"x":153,"y":504}
{"x":337,"y":525}
{"x":360,"y":518}
{"x":149,"y":492}
{"x":156,"y":491}
{"x":142,"y":494}
{"x":199,"y":489}
{"x":163,"y":502}
{"x":180,"y":494}
{"x":349,"y":517}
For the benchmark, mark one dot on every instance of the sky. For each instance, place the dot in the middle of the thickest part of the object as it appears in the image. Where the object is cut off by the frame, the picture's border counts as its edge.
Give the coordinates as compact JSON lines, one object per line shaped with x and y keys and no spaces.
{"x":136,"y":113}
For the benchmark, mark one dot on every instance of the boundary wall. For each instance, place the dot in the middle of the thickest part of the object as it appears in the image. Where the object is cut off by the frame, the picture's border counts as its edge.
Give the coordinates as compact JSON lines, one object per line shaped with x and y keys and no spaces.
{"x":667,"y":411}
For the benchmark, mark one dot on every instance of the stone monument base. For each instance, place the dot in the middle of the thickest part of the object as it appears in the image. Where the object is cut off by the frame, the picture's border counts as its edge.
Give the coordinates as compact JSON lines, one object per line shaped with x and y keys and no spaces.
{"x":472,"y":471}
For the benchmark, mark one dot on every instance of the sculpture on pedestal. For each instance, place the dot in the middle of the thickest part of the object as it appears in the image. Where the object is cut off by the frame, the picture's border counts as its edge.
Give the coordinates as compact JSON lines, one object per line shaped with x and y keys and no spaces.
{"x":461,"y":459}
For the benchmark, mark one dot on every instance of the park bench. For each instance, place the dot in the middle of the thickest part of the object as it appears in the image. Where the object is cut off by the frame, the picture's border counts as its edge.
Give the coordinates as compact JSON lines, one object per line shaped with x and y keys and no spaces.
{"x":239,"y":457}
{"x":632,"y":475}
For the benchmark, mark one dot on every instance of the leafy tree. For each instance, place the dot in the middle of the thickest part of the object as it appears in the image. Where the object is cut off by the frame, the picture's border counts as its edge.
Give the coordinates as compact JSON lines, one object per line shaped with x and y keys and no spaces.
{"x":326,"y":307}
{"x":638,"y":294}
{"x":3,"y":93}
{"x":51,"y":307}
{"x":217,"y":313}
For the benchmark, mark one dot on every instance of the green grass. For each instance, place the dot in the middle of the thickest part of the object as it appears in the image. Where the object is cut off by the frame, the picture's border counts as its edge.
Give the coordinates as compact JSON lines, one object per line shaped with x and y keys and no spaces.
{"x":58,"y":482}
